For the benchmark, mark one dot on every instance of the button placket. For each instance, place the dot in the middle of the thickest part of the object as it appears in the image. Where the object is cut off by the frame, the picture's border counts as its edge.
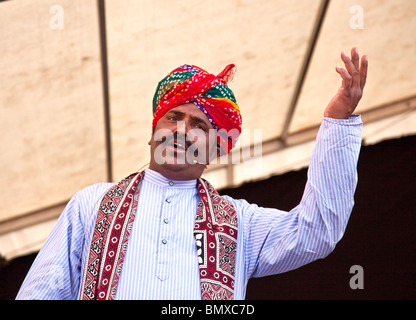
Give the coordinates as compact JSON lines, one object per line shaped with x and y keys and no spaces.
{"x":165,"y":234}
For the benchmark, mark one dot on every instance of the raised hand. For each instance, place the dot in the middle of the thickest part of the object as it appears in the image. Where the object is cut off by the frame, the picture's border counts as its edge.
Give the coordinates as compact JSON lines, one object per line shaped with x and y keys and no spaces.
{"x":354,"y":76}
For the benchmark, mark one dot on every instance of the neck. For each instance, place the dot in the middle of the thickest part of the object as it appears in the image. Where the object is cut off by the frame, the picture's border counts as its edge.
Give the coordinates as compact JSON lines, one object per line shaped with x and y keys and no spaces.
{"x":174,"y":172}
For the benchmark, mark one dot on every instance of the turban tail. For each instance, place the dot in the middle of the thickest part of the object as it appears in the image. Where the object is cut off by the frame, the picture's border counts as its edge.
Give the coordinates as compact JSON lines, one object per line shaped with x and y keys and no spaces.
{"x":209,"y":93}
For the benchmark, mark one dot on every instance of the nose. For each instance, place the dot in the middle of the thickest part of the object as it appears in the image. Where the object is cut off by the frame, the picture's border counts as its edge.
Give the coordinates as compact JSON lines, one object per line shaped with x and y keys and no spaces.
{"x":185,"y":130}
{"x":181,"y":132}
{"x":182,"y":127}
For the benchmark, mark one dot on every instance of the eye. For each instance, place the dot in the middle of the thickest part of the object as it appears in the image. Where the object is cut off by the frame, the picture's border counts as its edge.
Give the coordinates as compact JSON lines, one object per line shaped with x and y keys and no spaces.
{"x":201,"y":127}
{"x":172,"y":118}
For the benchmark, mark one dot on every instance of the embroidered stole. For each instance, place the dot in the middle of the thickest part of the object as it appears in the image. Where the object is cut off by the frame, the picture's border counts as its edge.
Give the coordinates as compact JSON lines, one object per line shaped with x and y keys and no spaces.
{"x":215,"y":233}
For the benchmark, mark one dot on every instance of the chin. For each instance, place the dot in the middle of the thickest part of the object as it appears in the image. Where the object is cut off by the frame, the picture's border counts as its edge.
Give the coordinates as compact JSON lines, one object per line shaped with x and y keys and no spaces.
{"x":179,"y":171}
{"x":177,"y":167}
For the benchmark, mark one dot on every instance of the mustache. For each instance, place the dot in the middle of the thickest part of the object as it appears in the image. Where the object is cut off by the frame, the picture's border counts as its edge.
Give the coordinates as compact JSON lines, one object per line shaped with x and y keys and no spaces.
{"x":177,"y":137}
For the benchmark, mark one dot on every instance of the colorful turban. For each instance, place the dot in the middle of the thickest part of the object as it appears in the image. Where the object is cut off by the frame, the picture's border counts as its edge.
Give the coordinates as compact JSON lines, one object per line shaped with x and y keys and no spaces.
{"x":209,"y":93}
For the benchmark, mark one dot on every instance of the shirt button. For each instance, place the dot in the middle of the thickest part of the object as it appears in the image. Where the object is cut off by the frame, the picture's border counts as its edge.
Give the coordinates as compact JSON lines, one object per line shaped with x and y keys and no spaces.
{"x":164,"y":241}
{"x":168,"y":200}
{"x":166,"y":221}
{"x":171,"y":183}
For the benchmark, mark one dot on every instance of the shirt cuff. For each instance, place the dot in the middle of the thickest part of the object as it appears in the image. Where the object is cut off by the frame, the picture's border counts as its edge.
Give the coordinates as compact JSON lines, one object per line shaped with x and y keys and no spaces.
{"x":354,"y":119}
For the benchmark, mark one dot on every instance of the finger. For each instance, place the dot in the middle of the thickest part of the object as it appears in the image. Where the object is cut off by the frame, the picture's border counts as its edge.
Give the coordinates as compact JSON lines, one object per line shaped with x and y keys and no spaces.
{"x":352,"y":70}
{"x":355,"y":57}
{"x":363,"y":71}
{"x":346,"y":77}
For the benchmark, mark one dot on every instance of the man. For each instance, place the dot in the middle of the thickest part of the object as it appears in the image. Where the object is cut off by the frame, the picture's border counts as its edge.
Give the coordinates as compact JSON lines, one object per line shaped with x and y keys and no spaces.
{"x":164,"y":233}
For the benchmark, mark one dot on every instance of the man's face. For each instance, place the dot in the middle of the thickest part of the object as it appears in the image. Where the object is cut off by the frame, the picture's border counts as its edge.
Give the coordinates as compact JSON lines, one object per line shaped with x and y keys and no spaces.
{"x":182,"y":142}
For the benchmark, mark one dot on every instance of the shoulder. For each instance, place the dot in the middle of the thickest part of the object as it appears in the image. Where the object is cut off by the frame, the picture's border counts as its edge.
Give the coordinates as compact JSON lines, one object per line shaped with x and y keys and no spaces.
{"x":249,"y":211}
{"x":92,"y":193}
{"x":84,"y":204}
{"x":94,"y":189}
{"x":241,"y":205}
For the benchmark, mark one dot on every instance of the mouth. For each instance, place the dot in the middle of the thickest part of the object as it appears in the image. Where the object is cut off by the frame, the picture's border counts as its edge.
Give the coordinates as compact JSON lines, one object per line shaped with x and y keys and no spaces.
{"x":177,"y":142}
{"x":177,"y":146}
{"x":180,"y":145}
{"x":177,"y":150}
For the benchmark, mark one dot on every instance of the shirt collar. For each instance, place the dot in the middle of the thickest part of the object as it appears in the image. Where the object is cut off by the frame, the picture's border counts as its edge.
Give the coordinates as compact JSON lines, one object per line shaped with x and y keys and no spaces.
{"x":160,"y":180}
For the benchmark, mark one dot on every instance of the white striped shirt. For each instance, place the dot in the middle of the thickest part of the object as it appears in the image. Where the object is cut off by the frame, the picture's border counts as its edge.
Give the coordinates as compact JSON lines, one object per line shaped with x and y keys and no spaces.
{"x":161,"y":260}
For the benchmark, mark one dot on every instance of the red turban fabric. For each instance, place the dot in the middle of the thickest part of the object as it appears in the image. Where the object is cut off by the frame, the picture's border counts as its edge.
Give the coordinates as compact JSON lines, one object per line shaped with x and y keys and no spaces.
{"x":209,"y":93}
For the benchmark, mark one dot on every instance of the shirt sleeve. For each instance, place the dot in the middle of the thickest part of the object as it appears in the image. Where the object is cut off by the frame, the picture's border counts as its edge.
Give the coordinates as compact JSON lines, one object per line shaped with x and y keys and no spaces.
{"x":276,"y":241}
{"x":51,"y":274}
{"x":55,"y":272}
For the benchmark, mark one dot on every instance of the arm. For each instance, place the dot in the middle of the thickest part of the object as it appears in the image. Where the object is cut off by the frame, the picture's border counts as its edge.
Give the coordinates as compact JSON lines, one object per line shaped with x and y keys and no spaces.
{"x":54,"y":270}
{"x":277,"y":241}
